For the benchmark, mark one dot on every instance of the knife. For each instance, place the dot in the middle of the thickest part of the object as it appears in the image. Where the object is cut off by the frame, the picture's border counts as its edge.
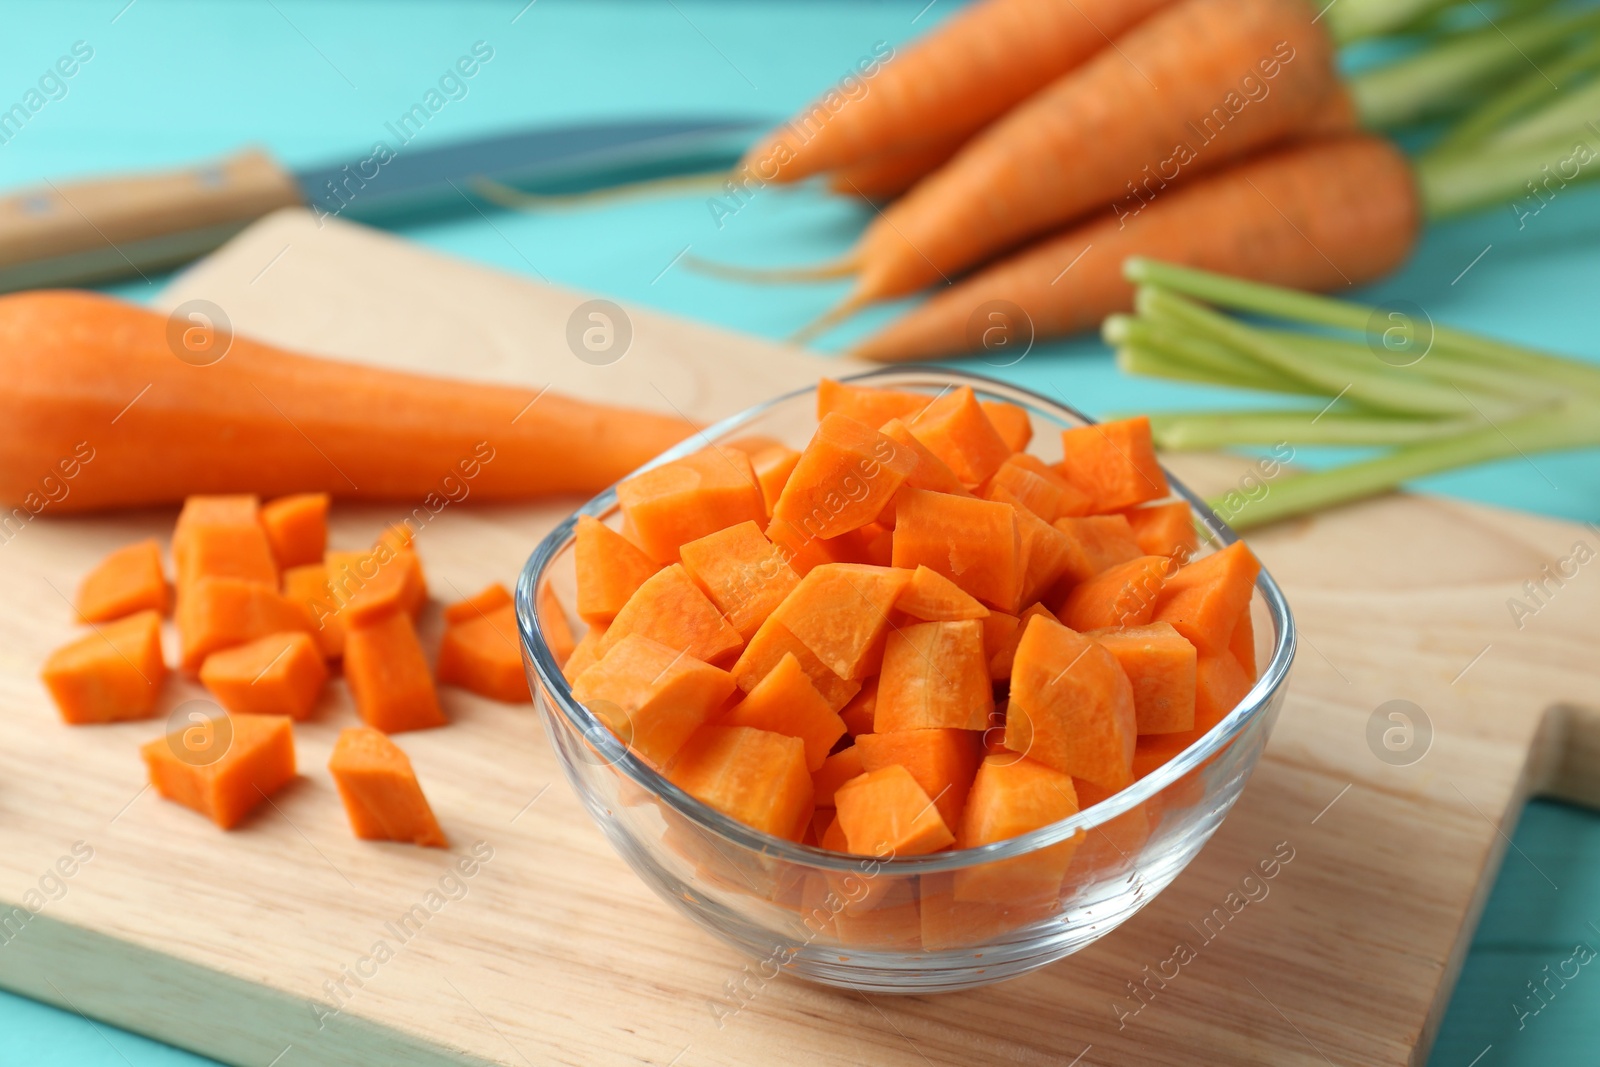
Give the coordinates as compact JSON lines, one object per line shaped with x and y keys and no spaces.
{"x":99,"y":229}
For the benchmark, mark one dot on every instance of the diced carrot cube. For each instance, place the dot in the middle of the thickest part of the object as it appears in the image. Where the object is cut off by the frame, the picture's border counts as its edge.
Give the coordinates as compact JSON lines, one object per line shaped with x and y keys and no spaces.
{"x":785,"y":702}
{"x":225,"y":774}
{"x":858,"y":715}
{"x":112,"y":674}
{"x":955,"y":428}
{"x":1221,"y":684}
{"x":297,"y":528}
{"x":886,"y":813}
{"x":553,"y":623}
{"x":1160,"y":666}
{"x":586,"y":654}
{"x":221,"y":537}
{"x":755,"y":776}
{"x":1098,"y":542}
{"x":610,"y":569}
{"x":802,"y":552}
{"x":385,"y":582}
{"x":845,"y":476}
{"x":671,"y":609}
{"x":932,"y":597}
{"x":1046,"y":552}
{"x":975,"y":543}
{"x":931,"y":472}
{"x":381,"y":795}
{"x":942,"y":761}
{"x":652,"y":696}
{"x":215,"y":613}
{"x":934,"y":675}
{"x":835,"y":771}
{"x":1001,"y":632}
{"x":396,"y":537}
{"x":494,"y":595}
{"x":682,"y":501}
{"x":770,"y":644}
{"x":128,"y":580}
{"x":950,"y":923}
{"x":773,"y":466}
{"x":1112,"y":844}
{"x":308,"y":588}
{"x":865,"y":404}
{"x":1011,"y":796}
{"x":388,"y":676}
{"x":1124,"y":595}
{"x":1203,"y":599}
{"x":484,"y":656}
{"x":1037,"y":487}
{"x":841,"y":612}
{"x":876,"y":543}
{"x":742,"y":572}
{"x":821,"y":819}
{"x":280,"y":674}
{"x":1071,"y":705}
{"x":1243,"y":643}
{"x":1011,"y":421}
{"x":1114,"y":463}
{"x":1164,"y":529}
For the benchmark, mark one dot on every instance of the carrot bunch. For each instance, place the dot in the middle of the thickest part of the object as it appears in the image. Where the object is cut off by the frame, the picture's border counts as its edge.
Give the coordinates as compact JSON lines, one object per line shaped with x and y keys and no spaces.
{"x":264,"y":614}
{"x":1034,"y":146}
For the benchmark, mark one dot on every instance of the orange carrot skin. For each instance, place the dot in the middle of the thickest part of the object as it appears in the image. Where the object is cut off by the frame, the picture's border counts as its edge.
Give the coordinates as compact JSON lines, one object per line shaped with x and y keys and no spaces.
{"x":1315,"y":216}
{"x":884,"y":177}
{"x":973,"y":68}
{"x":1077,"y":145}
{"x":269,"y":421}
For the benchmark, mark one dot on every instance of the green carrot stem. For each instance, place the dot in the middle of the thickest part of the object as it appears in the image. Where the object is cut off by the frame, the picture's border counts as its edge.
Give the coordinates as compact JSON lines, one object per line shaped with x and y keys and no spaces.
{"x":1357,"y":20}
{"x":1218,"y":364}
{"x":1443,"y":77}
{"x":1204,"y":430}
{"x":1300,"y":494}
{"x":1379,"y":387}
{"x":1521,"y":178}
{"x":1237,"y":294}
{"x":1494,"y":119}
{"x":1576,"y":108}
{"x":1152,"y":363}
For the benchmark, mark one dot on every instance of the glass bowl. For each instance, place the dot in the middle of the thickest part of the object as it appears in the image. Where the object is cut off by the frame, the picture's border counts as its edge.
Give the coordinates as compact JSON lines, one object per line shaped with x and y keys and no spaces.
{"x":946,"y":921}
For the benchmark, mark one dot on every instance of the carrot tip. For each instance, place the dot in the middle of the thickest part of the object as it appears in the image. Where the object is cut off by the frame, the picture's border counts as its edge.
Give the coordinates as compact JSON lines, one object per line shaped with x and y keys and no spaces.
{"x":838,"y":268}
{"x":828,"y":319}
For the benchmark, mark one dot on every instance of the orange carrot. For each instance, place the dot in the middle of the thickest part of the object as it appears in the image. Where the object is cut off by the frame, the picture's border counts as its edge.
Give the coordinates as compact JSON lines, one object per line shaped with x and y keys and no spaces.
{"x":126,"y":581}
{"x":1013,"y":422}
{"x":835,"y":771}
{"x":1038,"y":487}
{"x":1164,"y":529}
{"x":380,"y":792}
{"x":308,"y":589}
{"x":280,"y":674}
{"x":388,"y":676}
{"x":112,"y":674}
{"x":221,"y":537}
{"x":742,"y":572}
{"x":1014,"y":795}
{"x":557,"y":628}
{"x":757,"y":777}
{"x":840,"y":611}
{"x":934,"y":675}
{"x":1124,"y":595}
{"x":666,"y":506}
{"x":957,"y":430}
{"x":1160,"y":666}
{"x":610,"y":569}
{"x":770,"y":644}
{"x":932,"y":597}
{"x":1113,"y":463}
{"x":1317,"y":216}
{"x":973,"y":68}
{"x":216,"y":613}
{"x":651,"y":696}
{"x":942,"y":761}
{"x":256,"y":759}
{"x":860,"y":713}
{"x":785,"y":702}
{"x":845,"y":476}
{"x":1071,"y":706}
{"x":886,"y":813}
{"x":1215,"y":78}
{"x":671,"y":609}
{"x":482,"y":655}
{"x":974,"y":543}
{"x":297,"y":528}
{"x":86,"y":367}
{"x":885,"y":176}
{"x":481,"y":603}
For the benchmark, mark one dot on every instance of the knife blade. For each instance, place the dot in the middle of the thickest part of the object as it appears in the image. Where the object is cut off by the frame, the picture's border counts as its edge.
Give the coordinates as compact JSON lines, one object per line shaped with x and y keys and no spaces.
{"x":100,"y":229}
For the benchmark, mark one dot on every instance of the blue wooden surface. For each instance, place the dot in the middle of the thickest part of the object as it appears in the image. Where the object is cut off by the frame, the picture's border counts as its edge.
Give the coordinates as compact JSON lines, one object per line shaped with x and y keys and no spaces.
{"x":173,"y":81}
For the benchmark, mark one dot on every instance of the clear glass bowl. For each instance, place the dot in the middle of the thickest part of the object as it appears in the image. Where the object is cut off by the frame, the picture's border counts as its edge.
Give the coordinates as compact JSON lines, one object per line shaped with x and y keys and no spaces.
{"x":946,"y":921}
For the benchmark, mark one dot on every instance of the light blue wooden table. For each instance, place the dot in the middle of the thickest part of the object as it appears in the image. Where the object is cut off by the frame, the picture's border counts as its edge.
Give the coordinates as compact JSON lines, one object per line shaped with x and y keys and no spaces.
{"x":171,"y":82}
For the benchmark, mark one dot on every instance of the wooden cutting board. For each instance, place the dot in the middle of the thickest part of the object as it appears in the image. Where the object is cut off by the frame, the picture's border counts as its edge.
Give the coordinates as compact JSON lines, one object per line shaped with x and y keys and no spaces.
{"x":552,"y":952}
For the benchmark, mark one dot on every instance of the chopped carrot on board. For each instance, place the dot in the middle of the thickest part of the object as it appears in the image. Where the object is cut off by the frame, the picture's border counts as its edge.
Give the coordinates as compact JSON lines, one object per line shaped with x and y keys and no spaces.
{"x":376,"y":585}
{"x":215,"y":613}
{"x":379,"y":788}
{"x":221,"y":537}
{"x":610,"y":569}
{"x":111,"y":674}
{"x":128,"y":580}
{"x":279,"y":674}
{"x":678,"y":502}
{"x":755,"y":776}
{"x":1071,"y":705}
{"x":297,"y":528}
{"x":485,"y":600}
{"x":742,"y":572}
{"x":652,"y":696}
{"x":484,"y":656}
{"x":1114,"y":463}
{"x":225,"y":767}
{"x":785,"y":702}
{"x":308,"y":588}
{"x":844,"y":478}
{"x":388,"y":676}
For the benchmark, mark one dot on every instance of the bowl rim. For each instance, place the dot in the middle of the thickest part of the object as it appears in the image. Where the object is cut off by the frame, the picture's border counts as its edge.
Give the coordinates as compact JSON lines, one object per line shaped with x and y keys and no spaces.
{"x":619,"y":756}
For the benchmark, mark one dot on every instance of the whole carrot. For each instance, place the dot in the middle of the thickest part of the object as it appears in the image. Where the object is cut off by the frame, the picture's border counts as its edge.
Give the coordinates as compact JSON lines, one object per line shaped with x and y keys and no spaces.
{"x":1194,"y":87}
{"x":99,"y":413}
{"x":969,"y":70}
{"x":886,"y":176}
{"x":1319,"y":215}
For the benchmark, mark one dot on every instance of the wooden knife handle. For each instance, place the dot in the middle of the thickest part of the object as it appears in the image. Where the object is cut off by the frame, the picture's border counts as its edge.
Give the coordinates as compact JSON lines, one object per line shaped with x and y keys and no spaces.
{"x":65,"y":233}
